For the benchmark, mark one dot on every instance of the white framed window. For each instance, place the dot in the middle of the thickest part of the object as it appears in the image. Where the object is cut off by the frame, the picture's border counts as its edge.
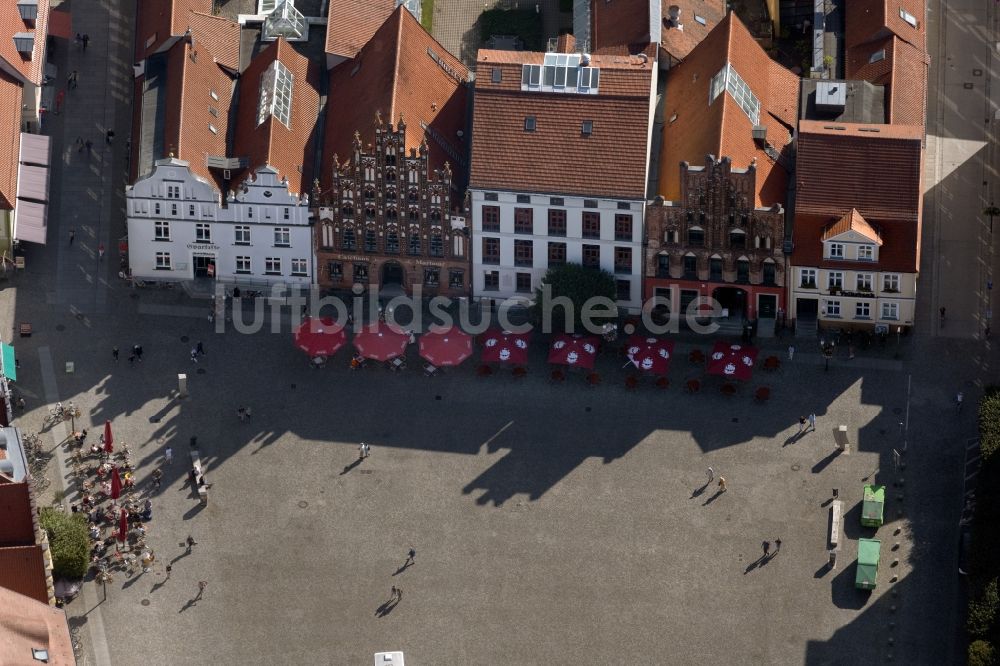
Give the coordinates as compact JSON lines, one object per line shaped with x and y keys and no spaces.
{"x":864,"y":282}
{"x":890,"y":311}
{"x":272,"y":266}
{"x":163,"y":261}
{"x":190,"y":210}
{"x":203,"y":232}
{"x":249,"y":212}
{"x":156,"y":208}
{"x":833,"y":308}
{"x":242,"y":234}
{"x":243,"y":265}
{"x":908,"y":17}
{"x":161,"y":231}
{"x":299,"y":267}
{"x":807,"y":278}
{"x":835,"y":280}
{"x":173,"y":209}
{"x":866,"y":253}
{"x":890,"y":282}
{"x":287,"y":214}
{"x":275,"y":94}
{"x":836,"y":251}
{"x":862,"y":310}
{"x":173,"y":191}
{"x":282,"y":237}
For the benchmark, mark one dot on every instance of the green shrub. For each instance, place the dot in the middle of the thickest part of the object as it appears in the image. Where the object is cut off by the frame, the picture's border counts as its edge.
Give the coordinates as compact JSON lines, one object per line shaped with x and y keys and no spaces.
{"x":983,"y":610}
{"x":579,"y":284}
{"x":69,"y":542}
{"x":989,"y":423}
{"x":427,"y":14}
{"x":981,"y":653}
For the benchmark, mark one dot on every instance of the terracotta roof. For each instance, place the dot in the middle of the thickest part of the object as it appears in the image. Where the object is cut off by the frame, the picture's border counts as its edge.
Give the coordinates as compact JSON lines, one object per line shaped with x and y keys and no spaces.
{"x":873,"y":168}
{"x":28,"y":70}
{"x":852,"y":221}
{"x":289,"y":149}
{"x":866,"y":20}
{"x":678,"y":43}
{"x":159,"y":20}
{"x":10,"y":138}
{"x":351,"y":23}
{"x":557,"y":157}
{"x":899,"y":251}
{"x":17,"y":526}
{"x":25,"y":624}
{"x":218,"y":35}
{"x":22,"y":569}
{"x":696,"y":127}
{"x":619,"y":23}
{"x":908,"y":88}
{"x":401,"y":72}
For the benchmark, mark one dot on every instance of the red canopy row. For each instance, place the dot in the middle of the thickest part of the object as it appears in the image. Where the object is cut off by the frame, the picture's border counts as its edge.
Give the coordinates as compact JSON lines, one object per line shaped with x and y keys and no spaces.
{"x":650,"y":354}
{"x":732,"y":360}
{"x":574,"y":350}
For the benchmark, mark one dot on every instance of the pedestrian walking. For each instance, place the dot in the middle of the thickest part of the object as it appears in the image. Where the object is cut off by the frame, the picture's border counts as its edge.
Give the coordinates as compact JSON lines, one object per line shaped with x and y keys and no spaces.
{"x":89,"y":145}
{"x":241,"y":414}
{"x":190,"y":543}
{"x":802,"y":424}
{"x":78,"y":40}
{"x":958,"y":402}
{"x":169,"y":569}
{"x":138,"y":351}
{"x":202,"y":584}
{"x":79,"y":144}
{"x":168,"y":455}
{"x":71,"y":80}
{"x":247,"y":413}
{"x":411,"y":556}
{"x":157,"y":478}
{"x":86,"y":40}
{"x":114,"y":353}
{"x":72,"y":236}
{"x":362,"y":451}
{"x":777,"y":546}
{"x":711,"y":475}
{"x":200,"y":348}
{"x":131,"y":358}
{"x":766,"y":546}
{"x":812,"y":422}
{"x":109,"y":136}
{"x":395,"y":594}
{"x":60,"y":98}
{"x":791,"y":352}
{"x":722,"y":484}
{"x":194,"y":355}
{"x":20,"y":404}
{"x":100,"y":252}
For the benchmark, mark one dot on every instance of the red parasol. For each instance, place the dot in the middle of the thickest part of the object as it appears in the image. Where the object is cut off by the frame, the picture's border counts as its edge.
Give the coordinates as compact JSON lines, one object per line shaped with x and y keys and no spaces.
{"x":650,"y":354}
{"x":574,"y":350}
{"x":505,"y":347}
{"x":320,"y":337}
{"x":116,"y":483}
{"x":446,"y":346}
{"x":108,"y":439}
{"x":381,"y":341}
{"x":732,"y":360}
{"x":123,"y":526}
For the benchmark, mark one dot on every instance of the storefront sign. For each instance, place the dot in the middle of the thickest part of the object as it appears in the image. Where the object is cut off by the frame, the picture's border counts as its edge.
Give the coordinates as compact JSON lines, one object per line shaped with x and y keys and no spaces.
{"x":202,"y":246}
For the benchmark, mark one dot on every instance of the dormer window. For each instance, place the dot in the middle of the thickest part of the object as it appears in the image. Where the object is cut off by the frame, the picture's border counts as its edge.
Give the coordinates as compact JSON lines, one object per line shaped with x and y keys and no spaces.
{"x":28,"y":10}
{"x":529,"y":124}
{"x":24,"y":42}
{"x":866,"y":253}
{"x":908,"y":17}
{"x":836,"y":251}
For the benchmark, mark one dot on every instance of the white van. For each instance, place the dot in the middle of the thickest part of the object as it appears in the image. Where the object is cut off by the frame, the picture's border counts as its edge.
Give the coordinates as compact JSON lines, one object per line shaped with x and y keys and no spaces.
{"x":389,"y":659}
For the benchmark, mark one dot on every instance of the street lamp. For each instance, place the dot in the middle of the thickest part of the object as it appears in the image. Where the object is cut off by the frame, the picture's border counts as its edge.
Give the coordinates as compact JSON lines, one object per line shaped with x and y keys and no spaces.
{"x":991,"y":211}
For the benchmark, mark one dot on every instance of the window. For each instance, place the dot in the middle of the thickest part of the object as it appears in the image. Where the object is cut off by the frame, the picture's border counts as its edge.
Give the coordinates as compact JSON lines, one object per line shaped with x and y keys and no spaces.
{"x":371,"y":240}
{"x":213,"y":129}
{"x":700,"y":19}
{"x":432,"y":276}
{"x":557,"y":254}
{"x":866,"y":253}
{"x":523,"y":252}
{"x":335,"y":270}
{"x":275,"y":94}
{"x":161,"y":231}
{"x":272,"y":266}
{"x":156,"y":208}
{"x":908,"y":17}
{"x":690,"y":267}
{"x":491,"y":250}
{"x":436,"y":244}
{"x":769,"y":273}
{"x":203,"y":233}
{"x":862,"y":310}
{"x":360,"y":272}
{"x":369,"y":194}
{"x":696,"y":236}
{"x":890,"y":282}
{"x":743,"y":271}
{"x":835,"y":280}
{"x":190,"y":210}
{"x":623,"y":227}
{"x":491,"y":280}
{"x":163,"y":261}
{"x":348,"y":241}
{"x":662,"y":265}
{"x":491,"y":218}
{"x":836,"y":250}
{"x":557,"y":222}
{"x":737,"y":239}
{"x":833,"y":308}
{"x":557,"y":201}
{"x":523,"y":283}
{"x":623,"y":260}
{"x":173,"y":191}
{"x":623,"y":290}
{"x":456,"y":278}
{"x":523,"y":221}
{"x":286,"y":214}
{"x":529,"y":123}
{"x":591,"y":224}
{"x":249,"y":212}
{"x":878,"y":55}
{"x":624,"y":205}
{"x":587,"y":127}
{"x":727,"y":79}
{"x":590,"y":203}
{"x":282,"y":237}
{"x":392,"y":243}
{"x":864,"y":282}
{"x":890,"y":311}
{"x":173,"y":209}
{"x":807,"y":278}
{"x":489,"y":196}
{"x":592,"y":256}
{"x":497,"y":75}
{"x":243,"y":265}
{"x":414,"y":245}
{"x":715,"y":269}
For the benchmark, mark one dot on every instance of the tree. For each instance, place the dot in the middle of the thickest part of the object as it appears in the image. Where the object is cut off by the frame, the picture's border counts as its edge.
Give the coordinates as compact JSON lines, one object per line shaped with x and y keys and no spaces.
{"x":589,"y":289}
{"x":68,"y":541}
{"x":981,"y":653}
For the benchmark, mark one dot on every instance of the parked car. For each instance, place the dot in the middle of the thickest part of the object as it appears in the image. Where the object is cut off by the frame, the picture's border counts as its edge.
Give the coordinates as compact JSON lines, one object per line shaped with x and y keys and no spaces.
{"x":873,"y":506}
{"x":869,"y":553}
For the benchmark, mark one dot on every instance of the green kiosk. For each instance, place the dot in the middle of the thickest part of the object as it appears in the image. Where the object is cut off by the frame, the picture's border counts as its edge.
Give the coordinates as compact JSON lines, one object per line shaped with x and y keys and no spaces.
{"x":869,"y":552}
{"x":873,"y":507}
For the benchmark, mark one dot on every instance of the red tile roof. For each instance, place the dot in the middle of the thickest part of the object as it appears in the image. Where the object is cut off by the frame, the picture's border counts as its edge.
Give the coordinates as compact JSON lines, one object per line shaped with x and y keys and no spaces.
{"x":17,"y":526}
{"x":902,"y":69}
{"x":28,"y":70}
{"x":401,"y":72}
{"x":557,"y":157}
{"x":899,"y":251}
{"x":679,"y":42}
{"x":22,"y":569}
{"x":10,"y":138}
{"x":218,"y":35}
{"x":852,"y":221}
{"x":696,"y":127}
{"x":289,"y":149}
{"x":619,"y":23}
{"x":866,"y":20}
{"x":159,"y":20}
{"x":25,"y":624}
{"x":351,"y":23}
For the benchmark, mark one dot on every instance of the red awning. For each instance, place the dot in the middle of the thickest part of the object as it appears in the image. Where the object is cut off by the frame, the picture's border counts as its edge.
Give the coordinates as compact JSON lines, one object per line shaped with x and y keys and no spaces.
{"x":445,"y":347}
{"x":320,"y":337}
{"x":574,"y":351}
{"x":650,"y":354}
{"x":732,"y":360}
{"x":381,"y":342}
{"x":505,"y":347}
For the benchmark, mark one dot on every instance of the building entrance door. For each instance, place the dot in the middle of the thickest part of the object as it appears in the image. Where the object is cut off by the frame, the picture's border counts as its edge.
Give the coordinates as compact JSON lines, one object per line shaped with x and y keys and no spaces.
{"x":204,"y":267}
{"x":767,"y":306}
{"x":392,"y":273}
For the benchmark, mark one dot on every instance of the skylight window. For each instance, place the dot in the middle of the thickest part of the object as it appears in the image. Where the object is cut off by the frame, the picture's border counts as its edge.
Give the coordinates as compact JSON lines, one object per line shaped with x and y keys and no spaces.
{"x":908,"y":17}
{"x":700,"y":19}
{"x":587,"y":128}
{"x":878,"y":55}
{"x":728,"y":79}
{"x":276,"y":95}
{"x":529,"y":123}
{"x":560,"y":72}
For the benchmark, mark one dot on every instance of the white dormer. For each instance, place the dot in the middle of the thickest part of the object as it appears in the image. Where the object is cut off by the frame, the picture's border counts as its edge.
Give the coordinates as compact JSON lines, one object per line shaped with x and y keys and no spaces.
{"x":851,"y":238}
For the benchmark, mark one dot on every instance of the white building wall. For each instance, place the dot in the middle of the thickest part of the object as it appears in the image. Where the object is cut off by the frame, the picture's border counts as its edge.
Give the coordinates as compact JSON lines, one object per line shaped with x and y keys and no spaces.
{"x":904,"y":299}
{"x":540,"y":205}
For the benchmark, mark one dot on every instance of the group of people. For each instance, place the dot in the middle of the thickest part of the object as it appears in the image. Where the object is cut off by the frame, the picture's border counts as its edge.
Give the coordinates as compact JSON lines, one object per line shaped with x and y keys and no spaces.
{"x":244,"y":414}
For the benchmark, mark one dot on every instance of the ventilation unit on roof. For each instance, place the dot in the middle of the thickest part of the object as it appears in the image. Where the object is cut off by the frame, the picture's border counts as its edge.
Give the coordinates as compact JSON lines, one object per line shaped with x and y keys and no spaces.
{"x":673,"y":17}
{"x":831,"y":96}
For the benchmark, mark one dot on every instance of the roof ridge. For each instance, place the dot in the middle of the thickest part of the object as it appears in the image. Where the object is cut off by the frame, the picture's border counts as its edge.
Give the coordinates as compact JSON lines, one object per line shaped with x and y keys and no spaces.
{"x":397,"y":47}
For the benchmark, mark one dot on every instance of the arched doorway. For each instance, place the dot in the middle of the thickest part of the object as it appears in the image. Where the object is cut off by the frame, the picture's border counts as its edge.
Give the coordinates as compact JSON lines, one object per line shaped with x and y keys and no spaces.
{"x":732,"y":300}
{"x":392,"y":273}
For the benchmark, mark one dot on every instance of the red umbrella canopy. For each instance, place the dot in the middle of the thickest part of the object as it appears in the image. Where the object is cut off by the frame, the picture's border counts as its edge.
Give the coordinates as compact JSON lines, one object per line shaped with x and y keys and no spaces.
{"x":320,"y":337}
{"x":574,"y":351}
{"x":123,"y":526}
{"x":505,"y":347}
{"x":108,"y":439}
{"x":381,"y":341}
{"x":650,"y":354}
{"x":116,"y":483}
{"x":732,"y":360}
{"x":445,"y":346}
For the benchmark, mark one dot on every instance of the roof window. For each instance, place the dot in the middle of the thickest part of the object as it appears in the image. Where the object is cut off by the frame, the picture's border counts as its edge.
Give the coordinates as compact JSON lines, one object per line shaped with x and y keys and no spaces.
{"x":728,"y":79}
{"x":700,"y":19}
{"x":878,"y":55}
{"x":587,"y":128}
{"x":908,"y":17}
{"x":214,"y":95}
{"x":213,"y":129}
{"x":497,"y":75}
{"x":275,"y":94}
{"x":529,"y":123}
{"x":561,"y":72}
